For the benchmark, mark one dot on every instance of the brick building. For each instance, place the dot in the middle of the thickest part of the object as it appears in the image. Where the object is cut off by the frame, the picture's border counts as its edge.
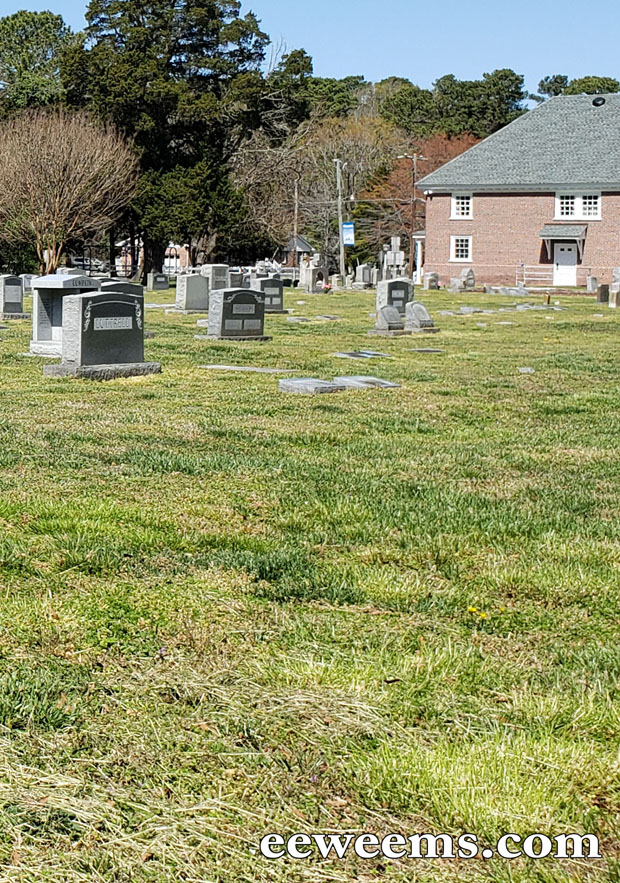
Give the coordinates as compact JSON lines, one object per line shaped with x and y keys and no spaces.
{"x":538,"y":201}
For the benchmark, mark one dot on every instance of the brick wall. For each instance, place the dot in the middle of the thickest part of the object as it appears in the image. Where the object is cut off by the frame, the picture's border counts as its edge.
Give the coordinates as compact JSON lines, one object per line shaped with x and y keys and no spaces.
{"x":505,"y":232}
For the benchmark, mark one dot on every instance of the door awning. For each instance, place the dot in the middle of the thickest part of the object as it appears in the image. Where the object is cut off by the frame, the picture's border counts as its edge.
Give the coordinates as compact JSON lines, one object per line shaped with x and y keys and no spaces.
{"x":562,"y":232}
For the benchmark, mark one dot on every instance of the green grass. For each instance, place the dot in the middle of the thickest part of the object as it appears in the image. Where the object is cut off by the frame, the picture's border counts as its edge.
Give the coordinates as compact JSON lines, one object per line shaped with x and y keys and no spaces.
{"x":227,"y":611}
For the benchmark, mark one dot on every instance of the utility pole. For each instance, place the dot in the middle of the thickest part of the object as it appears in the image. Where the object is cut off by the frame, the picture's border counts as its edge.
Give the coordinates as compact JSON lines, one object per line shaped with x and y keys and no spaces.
{"x":413,"y":218}
{"x":414,"y":157}
{"x":296,"y":225}
{"x":343,"y":269}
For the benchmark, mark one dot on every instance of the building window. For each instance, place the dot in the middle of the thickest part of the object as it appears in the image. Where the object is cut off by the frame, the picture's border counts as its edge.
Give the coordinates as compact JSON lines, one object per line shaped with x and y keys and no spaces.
{"x":462,"y":205}
{"x":590,"y":206}
{"x":567,"y":206}
{"x":460,"y":249}
{"x":579,"y":207}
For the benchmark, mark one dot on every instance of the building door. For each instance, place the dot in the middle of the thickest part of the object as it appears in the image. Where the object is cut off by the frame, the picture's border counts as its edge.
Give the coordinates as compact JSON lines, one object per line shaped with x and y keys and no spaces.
{"x":565,"y":264}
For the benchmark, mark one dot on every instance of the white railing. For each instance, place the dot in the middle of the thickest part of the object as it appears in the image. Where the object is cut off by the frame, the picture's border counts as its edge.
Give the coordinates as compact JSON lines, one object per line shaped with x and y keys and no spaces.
{"x":538,"y":275}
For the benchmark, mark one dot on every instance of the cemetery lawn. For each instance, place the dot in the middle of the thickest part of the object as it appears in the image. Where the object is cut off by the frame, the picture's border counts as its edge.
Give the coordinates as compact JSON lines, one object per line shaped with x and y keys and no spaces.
{"x":228,"y":611}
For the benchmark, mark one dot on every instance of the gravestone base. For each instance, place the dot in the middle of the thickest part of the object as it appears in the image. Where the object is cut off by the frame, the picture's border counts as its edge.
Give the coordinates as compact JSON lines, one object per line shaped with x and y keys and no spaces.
{"x":15,"y":316}
{"x":376,"y":332}
{"x":46,"y":348}
{"x":233,"y":339}
{"x":175,"y":311}
{"x":102,"y":372}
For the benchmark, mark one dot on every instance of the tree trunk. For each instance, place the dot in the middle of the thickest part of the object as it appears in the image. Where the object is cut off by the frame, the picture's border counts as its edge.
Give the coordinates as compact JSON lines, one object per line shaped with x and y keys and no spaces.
{"x":112,"y":251}
{"x":154,"y":255}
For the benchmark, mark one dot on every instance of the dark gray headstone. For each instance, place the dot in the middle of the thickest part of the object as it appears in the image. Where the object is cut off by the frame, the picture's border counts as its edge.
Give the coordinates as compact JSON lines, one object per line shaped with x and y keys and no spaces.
{"x":603,"y":294}
{"x":273,"y":292}
{"x":11,"y":297}
{"x":103,"y":337}
{"x":103,"y":328}
{"x":394,"y":293}
{"x":157,"y":282}
{"x":236,"y":314}
{"x":123,"y":286}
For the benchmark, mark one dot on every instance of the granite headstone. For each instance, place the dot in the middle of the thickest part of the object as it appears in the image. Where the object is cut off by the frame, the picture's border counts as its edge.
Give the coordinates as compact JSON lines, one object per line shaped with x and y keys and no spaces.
{"x":236,"y":314}
{"x":157,"y":282}
{"x":603,"y":294}
{"x":12,"y":298}
{"x":192,"y":293}
{"x":394,"y":293}
{"x":273,"y":293}
{"x":47,"y":308}
{"x":103,"y":337}
{"x":418,"y":319}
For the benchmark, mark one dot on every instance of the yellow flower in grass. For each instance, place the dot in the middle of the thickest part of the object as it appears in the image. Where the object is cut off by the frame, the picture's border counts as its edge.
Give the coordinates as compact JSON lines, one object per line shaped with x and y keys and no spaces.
{"x":472,"y":610}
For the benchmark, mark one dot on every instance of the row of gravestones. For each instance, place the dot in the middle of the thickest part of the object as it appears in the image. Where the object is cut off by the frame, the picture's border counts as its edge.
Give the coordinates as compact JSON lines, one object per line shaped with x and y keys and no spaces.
{"x":194,"y":289}
{"x":465,"y":282}
{"x":97,"y":327}
{"x":606,"y":294}
{"x":194,"y":293}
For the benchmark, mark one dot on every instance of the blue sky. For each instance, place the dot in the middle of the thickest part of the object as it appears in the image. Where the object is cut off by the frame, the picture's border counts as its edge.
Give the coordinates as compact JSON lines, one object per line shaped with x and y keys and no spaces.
{"x":423,"y":41}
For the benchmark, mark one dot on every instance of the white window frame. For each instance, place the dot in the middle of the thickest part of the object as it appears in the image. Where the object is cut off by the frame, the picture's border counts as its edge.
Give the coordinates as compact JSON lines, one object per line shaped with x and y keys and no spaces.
{"x":579,"y":212}
{"x":453,"y":258}
{"x":453,"y":214}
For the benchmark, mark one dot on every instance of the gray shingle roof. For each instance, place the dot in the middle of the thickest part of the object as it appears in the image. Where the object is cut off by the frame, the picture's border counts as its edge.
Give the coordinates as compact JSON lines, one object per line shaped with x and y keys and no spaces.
{"x":302,"y":244}
{"x":563,"y":231}
{"x":564,"y":141}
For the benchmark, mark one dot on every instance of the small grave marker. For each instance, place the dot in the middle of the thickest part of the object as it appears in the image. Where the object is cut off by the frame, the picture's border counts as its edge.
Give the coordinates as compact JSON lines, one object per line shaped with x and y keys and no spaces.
{"x":12,"y":298}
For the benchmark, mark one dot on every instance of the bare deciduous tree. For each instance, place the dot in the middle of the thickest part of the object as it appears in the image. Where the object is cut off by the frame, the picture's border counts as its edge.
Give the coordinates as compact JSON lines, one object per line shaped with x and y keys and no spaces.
{"x":62,"y":176}
{"x":304,"y":165}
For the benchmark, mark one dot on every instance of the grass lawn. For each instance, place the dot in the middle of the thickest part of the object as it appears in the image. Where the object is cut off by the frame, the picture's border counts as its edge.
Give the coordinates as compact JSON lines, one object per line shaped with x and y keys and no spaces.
{"x":228,"y":611}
